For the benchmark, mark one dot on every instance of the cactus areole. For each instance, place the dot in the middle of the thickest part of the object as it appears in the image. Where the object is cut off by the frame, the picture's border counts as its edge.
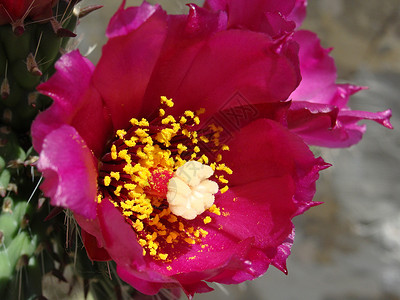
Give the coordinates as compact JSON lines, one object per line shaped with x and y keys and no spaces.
{"x":16,"y":12}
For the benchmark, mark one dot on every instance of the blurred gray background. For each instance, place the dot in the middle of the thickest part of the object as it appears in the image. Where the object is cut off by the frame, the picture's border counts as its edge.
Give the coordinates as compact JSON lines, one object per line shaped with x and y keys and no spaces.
{"x":349,"y":247}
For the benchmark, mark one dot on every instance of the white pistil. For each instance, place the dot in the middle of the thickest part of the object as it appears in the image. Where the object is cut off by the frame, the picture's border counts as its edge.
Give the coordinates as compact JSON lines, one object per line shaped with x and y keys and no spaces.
{"x":190,"y":192}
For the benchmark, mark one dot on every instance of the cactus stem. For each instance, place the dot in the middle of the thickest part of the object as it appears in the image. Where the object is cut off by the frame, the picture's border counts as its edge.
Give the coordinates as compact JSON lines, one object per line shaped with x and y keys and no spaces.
{"x":59,"y":30}
{"x":18,"y":27}
{"x":32,"y":99}
{"x":70,"y":3}
{"x":83,"y":12}
{"x":35,"y":189}
{"x":5,"y":89}
{"x":7,"y":115}
{"x":32,"y":65}
{"x":7,"y":205}
{"x":5,"y":86}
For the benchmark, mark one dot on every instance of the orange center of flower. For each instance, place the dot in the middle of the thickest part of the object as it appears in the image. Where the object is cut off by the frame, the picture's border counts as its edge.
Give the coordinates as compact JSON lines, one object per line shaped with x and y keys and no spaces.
{"x":158,"y":175}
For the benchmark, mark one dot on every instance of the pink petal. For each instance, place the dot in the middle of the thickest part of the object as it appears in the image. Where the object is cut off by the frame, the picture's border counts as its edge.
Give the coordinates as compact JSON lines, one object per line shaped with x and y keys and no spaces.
{"x":318,"y":70}
{"x":318,"y":97}
{"x":93,"y":250}
{"x":126,"y":20}
{"x":262,"y":16}
{"x":70,"y":171}
{"x":209,"y":74}
{"x":201,"y":22}
{"x":76,"y":103}
{"x":121,"y":244}
{"x":92,"y":238}
{"x":128,"y":60}
{"x":299,"y":12}
{"x":147,"y":287}
{"x":119,"y":237}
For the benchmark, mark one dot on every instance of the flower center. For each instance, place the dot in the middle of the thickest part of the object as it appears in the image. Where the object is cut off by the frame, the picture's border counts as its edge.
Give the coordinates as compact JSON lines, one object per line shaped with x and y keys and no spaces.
{"x":158,"y":175}
{"x":190,"y":193}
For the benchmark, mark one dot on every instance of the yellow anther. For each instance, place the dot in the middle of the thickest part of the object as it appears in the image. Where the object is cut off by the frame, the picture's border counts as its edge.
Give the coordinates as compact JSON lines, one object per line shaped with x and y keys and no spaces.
{"x":204,"y":139}
{"x":174,"y":234}
{"x":200,"y":111}
{"x":189,"y":113}
{"x":107,"y":180}
{"x":215,"y":210}
{"x":141,"y":154}
{"x":203,"y":232}
{"x":183,"y":120}
{"x":131,"y":142}
{"x":124,"y":155}
{"x":165,"y":135}
{"x":166,"y":101}
{"x":225,"y":148}
{"x":142,"y":242}
{"x":147,"y":140}
{"x":223,"y":167}
{"x":204,"y":158}
{"x":155,"y":220}
{"x":115,"y":175}
{"x":222,"y":179}
{"x":99,"y":198}
{"x":153,"y":245}
{"x":128,"y":169}
{"x":168,"y":119}
{"x":186,"y":132}
{"x":224,"y":189}
{"x":138,"y":225}
{"x":114,"y":154}
{"x":219,"y":157}
{"x":196,"y":120}
{"x":165,"y":212}
{"x":172,"y":218}
{"x":207,"y":220}
{"x":134,"y":122}
{"x":130,"y":186}
{"x":181,"y":226}
{"x":190,"y":241}
{"x":117,"y":191}
{"x":176,"y":127}
{"x":163,"y":256}
{"x":181,"y":148}
{"x":161,"y":112}
{"x":127,"y":213}
{"x":140,"y":132}
{"x":196,"y":149}
{"x":121,"y":133}
{"x":144,"y":123}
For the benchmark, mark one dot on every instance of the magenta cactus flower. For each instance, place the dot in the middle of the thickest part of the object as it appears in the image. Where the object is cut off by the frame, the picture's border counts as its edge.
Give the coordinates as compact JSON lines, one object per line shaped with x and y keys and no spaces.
{"x":183,"y":153}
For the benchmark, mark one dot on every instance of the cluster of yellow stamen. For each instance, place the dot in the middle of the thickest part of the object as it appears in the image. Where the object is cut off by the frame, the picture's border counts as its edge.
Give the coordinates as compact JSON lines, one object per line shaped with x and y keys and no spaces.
{"x":134,"y":176}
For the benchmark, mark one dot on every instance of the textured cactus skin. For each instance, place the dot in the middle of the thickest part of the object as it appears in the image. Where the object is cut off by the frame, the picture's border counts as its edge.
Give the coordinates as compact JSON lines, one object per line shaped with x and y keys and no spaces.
{"x":32,"y":244}
{"x":22,"y":234}
{"x":29,"y":246}
{"x":20,"y":104}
